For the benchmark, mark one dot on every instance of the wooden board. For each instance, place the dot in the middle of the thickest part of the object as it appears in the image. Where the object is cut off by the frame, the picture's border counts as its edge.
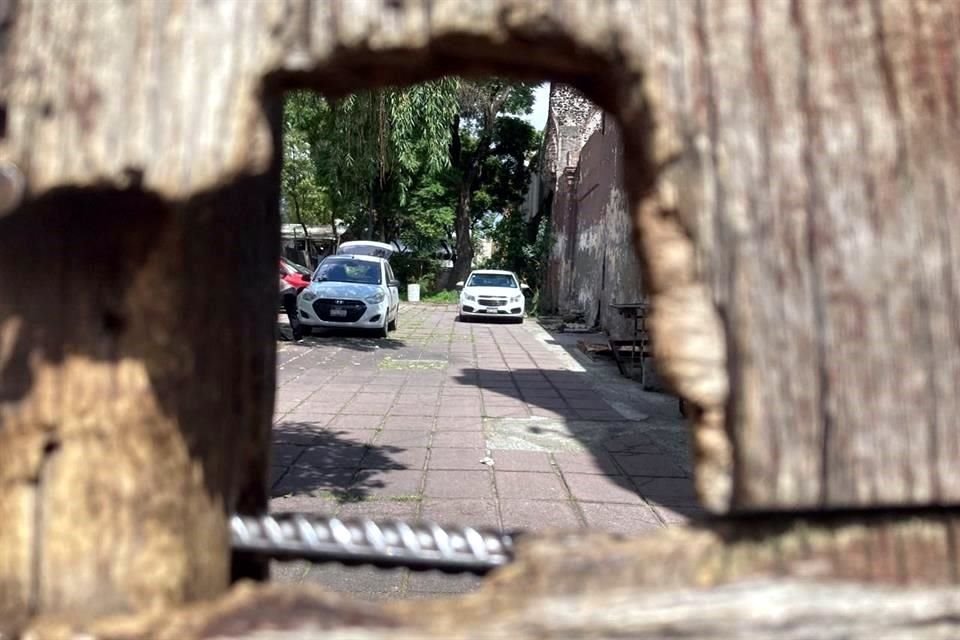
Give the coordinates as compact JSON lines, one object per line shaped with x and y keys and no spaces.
{"x":793,"y":170}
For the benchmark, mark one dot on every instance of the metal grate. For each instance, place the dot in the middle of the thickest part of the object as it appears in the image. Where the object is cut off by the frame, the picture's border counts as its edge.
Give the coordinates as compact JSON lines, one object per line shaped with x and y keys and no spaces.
{"x":391,"y":543}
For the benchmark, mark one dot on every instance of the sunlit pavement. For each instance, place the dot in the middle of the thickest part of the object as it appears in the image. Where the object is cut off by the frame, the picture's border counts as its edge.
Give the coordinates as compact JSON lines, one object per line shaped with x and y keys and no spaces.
{"x":476,"y":423}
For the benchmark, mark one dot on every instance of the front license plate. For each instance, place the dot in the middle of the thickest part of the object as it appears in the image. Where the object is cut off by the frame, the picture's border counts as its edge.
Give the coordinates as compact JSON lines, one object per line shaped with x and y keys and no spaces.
{"x":338,"y":313}
{"x":492,"y":310}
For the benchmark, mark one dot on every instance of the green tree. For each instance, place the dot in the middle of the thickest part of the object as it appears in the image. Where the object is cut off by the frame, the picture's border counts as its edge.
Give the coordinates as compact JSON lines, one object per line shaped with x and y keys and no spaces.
{"x":473,"y":131}
{"x":369,"y":148}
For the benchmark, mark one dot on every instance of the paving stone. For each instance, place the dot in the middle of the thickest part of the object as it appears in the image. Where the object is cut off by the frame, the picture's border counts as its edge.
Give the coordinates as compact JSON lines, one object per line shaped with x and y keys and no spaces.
{"x":649,"y":464}
{"x":398,"y":483}
{"x":462,"y":512}
{"x":471,"y":439}
{"x":338,"y":436}
{"x":459,"y":484}
{"x":309,"y":419}
{"x":316,"y":482}
{"x":447,"y":423}
{"x":632,"y":443}
{"x":409,"y":458}
{"x":620,"y":518}
{"x":667,"y":491}
{"x":553,"y":414}
{"x":336,"y":395}
{"x":457,"y":458}
{"x":598,"y":488}
{"x":587,"y":403}
{"x":409,"y":423}
{"x":367,"y":408}
{"x":597,"y":414}
{"x":355,"y":421}
{"x":283,"y":455}
{"x":332,"y":457}
{"x":402,"y":439}
{"x":508,"y":460}
{"x":529,"y":486}
{"x":506,"y":412}
{"x":675,"y":515}
{"x":467,"y":409}
{"x":303,"y":504}
{"x":382,"y":509}
{"x":412,"y":409}
{"x":598,"y":462}
{"x":538,"y":515}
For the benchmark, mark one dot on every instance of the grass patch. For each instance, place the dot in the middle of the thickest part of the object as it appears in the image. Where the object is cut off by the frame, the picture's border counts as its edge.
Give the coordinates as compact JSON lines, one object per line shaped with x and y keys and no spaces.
{"x":441,"y":297}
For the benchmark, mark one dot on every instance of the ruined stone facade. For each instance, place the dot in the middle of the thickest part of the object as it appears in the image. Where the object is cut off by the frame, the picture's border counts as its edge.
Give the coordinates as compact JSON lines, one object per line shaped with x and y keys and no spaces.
{"x":592,"y":263}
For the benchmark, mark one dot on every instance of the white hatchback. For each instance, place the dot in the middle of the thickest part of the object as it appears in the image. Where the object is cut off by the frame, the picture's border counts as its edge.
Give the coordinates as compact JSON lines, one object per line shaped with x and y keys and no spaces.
{"x":355,"y":288}
{"x":491,"y":293}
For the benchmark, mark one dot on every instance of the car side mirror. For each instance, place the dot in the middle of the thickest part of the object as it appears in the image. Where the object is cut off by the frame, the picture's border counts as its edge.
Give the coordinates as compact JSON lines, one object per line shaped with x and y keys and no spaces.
{"x":394,"y":283}
{"x":525,"y":287}
{"x":460,"y":285}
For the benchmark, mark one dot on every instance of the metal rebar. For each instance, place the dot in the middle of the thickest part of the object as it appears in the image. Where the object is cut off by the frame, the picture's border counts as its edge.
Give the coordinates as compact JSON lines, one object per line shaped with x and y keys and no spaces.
{"x":390,"y":543}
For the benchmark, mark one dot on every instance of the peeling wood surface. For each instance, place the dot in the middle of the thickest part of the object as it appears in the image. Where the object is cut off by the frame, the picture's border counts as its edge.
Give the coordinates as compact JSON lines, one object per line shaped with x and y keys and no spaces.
{"x":793,"y":176}
{"x":797,"y":579}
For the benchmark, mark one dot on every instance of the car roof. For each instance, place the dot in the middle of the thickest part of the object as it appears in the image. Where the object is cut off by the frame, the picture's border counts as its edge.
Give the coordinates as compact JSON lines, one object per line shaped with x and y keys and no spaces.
{"x":350,"y":256}
{"x":492,"y":272}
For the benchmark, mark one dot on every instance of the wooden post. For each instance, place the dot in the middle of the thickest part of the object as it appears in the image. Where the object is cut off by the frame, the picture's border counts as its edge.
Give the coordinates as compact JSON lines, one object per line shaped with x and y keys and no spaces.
{"x":793,"y":173}
{"x":136,"y":397}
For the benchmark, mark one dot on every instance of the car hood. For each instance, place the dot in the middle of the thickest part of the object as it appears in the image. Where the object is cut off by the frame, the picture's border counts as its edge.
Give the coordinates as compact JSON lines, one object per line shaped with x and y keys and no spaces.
{"x":347,"y":290}
{"x":492,"y":291}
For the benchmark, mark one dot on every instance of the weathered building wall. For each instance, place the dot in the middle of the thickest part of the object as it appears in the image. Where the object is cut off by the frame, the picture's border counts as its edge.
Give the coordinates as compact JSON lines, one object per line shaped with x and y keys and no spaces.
{"x":604,"y":268}
{"x":563,"y":242}
{"x":592,"y":261}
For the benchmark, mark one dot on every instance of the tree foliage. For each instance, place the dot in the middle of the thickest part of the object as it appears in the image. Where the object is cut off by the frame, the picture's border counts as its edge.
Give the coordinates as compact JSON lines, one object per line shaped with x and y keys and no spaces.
{"x":428,"y":166}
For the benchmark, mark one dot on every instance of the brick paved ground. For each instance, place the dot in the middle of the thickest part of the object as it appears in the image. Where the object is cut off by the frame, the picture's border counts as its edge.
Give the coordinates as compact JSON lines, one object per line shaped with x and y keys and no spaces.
{"x":406,"y":427}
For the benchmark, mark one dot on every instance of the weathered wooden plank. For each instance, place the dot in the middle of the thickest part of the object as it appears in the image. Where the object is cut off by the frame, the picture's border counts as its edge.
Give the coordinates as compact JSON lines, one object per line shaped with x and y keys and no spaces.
{"x":135,"y":406}
{"x":711,"y":581}
{"x":794,"y":179}
{"x":814,"y":178}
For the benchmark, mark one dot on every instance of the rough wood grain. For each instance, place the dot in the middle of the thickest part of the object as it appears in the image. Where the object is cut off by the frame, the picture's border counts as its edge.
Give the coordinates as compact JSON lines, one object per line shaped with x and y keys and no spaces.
{"x":795,"y":579}
{"x":791,"y":167}
{"x":135,"y":406}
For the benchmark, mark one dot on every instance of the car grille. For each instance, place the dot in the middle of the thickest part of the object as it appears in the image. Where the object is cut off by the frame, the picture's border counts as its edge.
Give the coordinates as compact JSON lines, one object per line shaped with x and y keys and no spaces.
{"x":492,"y":302}
{"x":354,"y":308}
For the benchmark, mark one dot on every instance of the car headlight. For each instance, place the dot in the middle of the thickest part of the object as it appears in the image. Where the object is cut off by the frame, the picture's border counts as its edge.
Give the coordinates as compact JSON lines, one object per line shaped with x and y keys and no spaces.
{"x":308,"y":296}
{"x":469,"y":298}
{"x":516,"y":299}
{"x":376,"y":298}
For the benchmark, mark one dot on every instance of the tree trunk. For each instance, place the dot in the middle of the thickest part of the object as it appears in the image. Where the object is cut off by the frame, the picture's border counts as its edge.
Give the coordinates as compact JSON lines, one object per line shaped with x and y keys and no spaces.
{"x":464,"y":245}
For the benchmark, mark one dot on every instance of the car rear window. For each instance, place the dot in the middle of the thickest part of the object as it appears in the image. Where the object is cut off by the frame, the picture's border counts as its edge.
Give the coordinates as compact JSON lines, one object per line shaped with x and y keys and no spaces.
{"x":492,"y":280}
{"x":348,"y":270}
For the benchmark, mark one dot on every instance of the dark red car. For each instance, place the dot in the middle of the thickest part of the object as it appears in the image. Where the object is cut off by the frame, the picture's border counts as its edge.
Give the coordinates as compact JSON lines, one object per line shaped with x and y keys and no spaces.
{"x":295,"y":275}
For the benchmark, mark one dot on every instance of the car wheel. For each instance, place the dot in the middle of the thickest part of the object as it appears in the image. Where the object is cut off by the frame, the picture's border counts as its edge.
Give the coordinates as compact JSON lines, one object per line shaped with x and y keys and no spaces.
{"x":384,"y":331}
{"x":518,"y":320}
{"x":392,"y":325}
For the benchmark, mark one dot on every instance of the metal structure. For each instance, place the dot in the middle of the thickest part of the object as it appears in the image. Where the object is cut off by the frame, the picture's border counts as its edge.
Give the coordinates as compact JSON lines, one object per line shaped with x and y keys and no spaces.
{"x":384,"y":544}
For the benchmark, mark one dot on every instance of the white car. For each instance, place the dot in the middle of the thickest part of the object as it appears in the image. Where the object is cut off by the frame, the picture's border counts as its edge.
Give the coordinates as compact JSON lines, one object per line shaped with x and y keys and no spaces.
{"x":489,"y":293}
{"x":355,"y":288}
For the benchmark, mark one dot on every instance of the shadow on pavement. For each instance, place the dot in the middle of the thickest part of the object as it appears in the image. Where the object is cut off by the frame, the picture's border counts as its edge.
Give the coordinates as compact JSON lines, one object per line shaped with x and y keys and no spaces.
{"x":601,"y":453}
{"x":337,"y":464}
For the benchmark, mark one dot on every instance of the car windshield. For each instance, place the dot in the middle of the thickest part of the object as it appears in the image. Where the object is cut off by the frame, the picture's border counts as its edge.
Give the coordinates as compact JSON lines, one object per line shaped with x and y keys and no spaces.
{"x":492,"y":280}
{"x":348,"y":270}
{"x":293,"y":267}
